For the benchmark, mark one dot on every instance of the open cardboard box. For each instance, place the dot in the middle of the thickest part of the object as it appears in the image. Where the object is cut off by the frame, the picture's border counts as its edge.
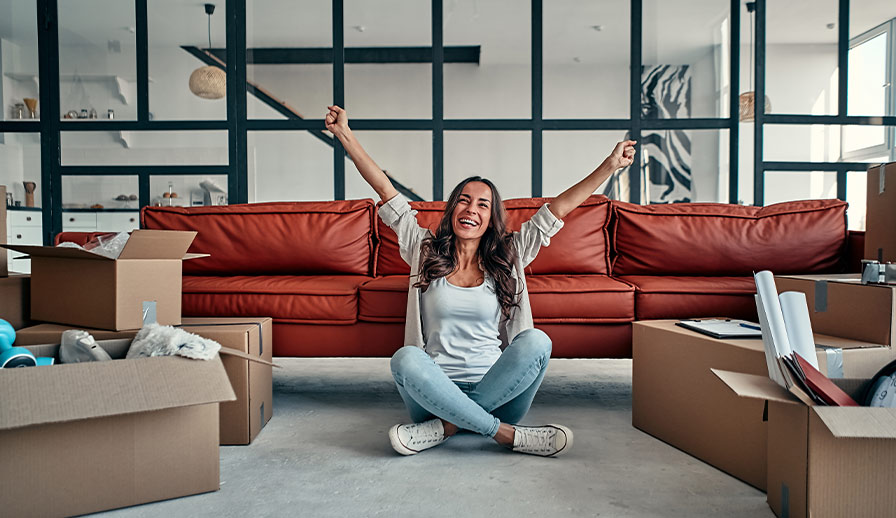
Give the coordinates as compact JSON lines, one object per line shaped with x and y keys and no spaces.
{"x":824,"y":461}
{"x":80,"y":288}
{"x":840,"y":305}
{"x":677,"y":399}
{"x":14,"y":297}
{"x":242,"y":419}
{"x":86,"y":437}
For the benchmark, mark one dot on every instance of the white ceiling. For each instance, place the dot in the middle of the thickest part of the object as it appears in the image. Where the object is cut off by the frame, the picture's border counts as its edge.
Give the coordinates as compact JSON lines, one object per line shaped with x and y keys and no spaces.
{"x":673,"y":28}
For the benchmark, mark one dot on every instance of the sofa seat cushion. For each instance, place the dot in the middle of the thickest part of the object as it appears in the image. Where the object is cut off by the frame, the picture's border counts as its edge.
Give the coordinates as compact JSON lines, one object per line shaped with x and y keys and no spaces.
{"x":325,"y":299}
{"x":280,"y":238}
{"x":554,"y":299}
{"x":807,"y":236}
{"x":580,"y":247}
{"x":661,"y":297}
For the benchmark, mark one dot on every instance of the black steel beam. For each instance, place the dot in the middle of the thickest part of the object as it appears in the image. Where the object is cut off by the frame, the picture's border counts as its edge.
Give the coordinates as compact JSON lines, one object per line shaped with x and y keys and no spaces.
{"x":438,"y":102}
{"x":338,"y":60}
{"x":355,"y":55}
{"x":237,"y":177}
{"x":20,"y":126}
{"x":50,"y":151}
{"x":734,"y":104}
{"x":843,"y":58}
{"x":140,"y":10}
{"x":831,"y":119}
{"x":634,"y":175}
{"x":120,"y":170}
{"x":815,"y":166}
{"x":759,"y":106}
{"x":537,"y":98}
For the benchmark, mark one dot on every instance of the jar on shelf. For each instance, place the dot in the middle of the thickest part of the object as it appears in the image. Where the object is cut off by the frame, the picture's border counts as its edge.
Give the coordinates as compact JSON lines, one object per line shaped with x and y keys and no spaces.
{"x":18,"y":111}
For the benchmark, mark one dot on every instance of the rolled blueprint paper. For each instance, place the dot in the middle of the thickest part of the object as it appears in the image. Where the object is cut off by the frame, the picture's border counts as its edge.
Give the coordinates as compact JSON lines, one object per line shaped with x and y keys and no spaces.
{"x":799,"y":327}
{"x":768,"y":293}
{"x":774,"y":367}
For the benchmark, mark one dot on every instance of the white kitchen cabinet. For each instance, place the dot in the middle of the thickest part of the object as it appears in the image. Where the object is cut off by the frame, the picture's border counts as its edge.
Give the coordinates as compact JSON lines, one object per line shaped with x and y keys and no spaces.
{"x":22,"y":228}
{"x":78,"y":221}
{"x":117,"y":221}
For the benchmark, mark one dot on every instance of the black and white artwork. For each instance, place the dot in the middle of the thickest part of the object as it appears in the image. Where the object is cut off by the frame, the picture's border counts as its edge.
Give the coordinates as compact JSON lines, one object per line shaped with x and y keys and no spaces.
{"x":665,"y":154}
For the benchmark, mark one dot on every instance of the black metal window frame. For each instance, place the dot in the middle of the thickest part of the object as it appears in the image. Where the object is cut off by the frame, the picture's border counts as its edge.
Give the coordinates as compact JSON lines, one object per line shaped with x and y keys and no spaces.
{"x":237,"y":124}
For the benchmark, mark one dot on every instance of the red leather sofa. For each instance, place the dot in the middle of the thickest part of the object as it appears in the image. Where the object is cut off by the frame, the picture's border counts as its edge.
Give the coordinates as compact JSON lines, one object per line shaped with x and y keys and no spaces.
{"x":330,"y":275}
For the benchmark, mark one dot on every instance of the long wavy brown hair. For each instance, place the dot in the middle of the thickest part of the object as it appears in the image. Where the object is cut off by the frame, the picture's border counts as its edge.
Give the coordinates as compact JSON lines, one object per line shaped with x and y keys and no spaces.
{"x":496,"y":252}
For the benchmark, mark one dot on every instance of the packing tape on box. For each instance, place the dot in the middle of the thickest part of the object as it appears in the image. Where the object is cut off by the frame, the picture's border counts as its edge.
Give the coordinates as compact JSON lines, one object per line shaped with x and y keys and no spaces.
{"x":834,"y":358}
{"x":821,"y":296}
{"x":882,"y":180}
{"x":785,"y":501}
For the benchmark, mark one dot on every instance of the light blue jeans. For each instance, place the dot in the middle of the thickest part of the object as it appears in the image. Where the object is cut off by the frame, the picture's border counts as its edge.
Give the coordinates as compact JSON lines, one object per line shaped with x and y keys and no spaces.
{"x":504,"y":394}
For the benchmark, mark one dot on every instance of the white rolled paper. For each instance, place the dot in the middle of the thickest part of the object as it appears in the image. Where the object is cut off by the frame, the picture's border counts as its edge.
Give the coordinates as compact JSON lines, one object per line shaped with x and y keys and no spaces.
{"x":774,"y":316}
{"x":799,"y":326}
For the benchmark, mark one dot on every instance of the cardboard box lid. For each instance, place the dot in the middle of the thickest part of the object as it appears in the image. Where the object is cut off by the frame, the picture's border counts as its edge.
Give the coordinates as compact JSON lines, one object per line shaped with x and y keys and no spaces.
{"x":859,"y":422}
{"x":69,"y":392}
{"x":143,"y":244}
{"x":753,"y":386}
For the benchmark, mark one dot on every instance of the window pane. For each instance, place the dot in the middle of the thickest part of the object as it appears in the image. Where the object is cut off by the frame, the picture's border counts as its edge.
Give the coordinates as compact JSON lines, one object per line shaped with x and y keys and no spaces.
{"x":385,"y":85}
{"x":856,"y":196}
{"x":801,"y":56}
{"x":289,"y":166}
{"x":92,"y":193}
{"x":406,"y":156}
{"x":569,"y":156}
{"x":819,"y":143}
{"x":187,"y":190}
{"x":504,"y":157}
{"x":799,"y":185}
{"x":18,"y":37}
{"x":20,"y":162}
{"x":144,"y":148}
{"x":498,"y":84}
{"x":867,"y":77}
{"x":97,"y":58}
{"x":299,"y":81}
{"x":177,"y":31}
{"x":586,"y":59}
{"x":685,"y":56}
{"x":684,"y":166}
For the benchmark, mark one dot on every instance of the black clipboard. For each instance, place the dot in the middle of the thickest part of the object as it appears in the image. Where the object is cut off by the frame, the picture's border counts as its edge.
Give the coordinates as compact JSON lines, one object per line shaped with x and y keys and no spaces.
{"x":723,"y":328}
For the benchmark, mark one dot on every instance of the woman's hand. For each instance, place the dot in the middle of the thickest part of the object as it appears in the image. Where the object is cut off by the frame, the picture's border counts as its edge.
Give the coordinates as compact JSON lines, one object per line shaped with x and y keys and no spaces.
{"x":622,"y":156}
{"x":336,"y":120}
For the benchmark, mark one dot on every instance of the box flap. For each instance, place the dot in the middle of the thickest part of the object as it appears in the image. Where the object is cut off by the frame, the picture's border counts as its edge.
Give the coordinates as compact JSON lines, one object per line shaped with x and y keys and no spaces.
{"x":55,"y":251}
{"x":157,"y":244}
{"x":59,"y":393}
{"x":849,"y":278}
{"x":859,"y":422}
{"x":845,"y":343}
{"x":246,"y":356}
{"x":755,"y":387}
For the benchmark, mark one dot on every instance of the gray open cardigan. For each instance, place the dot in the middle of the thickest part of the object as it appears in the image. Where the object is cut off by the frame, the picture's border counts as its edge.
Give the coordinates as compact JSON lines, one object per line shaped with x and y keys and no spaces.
{"x":534,"y":233}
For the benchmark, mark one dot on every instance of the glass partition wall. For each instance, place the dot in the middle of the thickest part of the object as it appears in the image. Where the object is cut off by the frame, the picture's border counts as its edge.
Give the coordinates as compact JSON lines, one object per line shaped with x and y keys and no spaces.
{"x":105,"y":101}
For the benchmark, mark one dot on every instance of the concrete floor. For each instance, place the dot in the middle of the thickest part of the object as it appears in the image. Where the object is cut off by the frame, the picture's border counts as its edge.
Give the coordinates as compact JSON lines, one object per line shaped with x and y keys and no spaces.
{"x":326,"y":453}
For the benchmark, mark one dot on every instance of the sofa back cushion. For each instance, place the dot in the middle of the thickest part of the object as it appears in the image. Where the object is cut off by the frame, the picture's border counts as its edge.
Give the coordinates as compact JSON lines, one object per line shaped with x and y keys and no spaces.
{"x":721,"y":239}
{"x":329,"y":237}
{"x":580,"y":247}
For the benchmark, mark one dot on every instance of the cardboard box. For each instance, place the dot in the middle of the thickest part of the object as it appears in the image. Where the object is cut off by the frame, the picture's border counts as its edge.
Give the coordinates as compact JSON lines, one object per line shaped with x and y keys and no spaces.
{"x":15,"y":296}
{"x":242,"y":419}
{"x":677,"y":399}
{"x":824,"y":461}
{"x":87,"y":437}
{"x":80,"y":288}
{"x":4,"y":271}
{"x":880,"y":213}
{"x":840,"y":305}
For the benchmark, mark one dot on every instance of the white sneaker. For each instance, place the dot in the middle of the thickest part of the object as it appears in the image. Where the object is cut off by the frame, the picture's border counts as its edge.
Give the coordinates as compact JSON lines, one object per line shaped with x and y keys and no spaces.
{"x":408,"y":439}
{"x":549,"y":440}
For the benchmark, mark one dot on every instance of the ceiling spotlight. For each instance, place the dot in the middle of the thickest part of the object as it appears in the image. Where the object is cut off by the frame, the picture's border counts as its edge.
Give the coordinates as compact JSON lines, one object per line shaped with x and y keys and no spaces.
{"x":577,"y":59}
{"x":597,"y":28}
{"x":359,"y":28}
{"x":831,"y":25}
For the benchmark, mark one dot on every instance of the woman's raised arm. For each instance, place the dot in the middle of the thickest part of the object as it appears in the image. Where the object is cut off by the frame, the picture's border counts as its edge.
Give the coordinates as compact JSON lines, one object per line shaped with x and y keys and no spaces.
{"x":337,"y":122}
{"x":622,"y":156}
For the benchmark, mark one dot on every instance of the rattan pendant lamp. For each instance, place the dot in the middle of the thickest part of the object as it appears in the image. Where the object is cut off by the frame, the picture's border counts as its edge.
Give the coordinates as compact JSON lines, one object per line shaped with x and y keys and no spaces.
{"x":748,"y":99}
{"x":209,"y":82}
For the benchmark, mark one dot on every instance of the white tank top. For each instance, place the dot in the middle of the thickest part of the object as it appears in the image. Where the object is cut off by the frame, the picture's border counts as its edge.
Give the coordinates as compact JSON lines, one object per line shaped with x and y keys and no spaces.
{"x":460,"y":326}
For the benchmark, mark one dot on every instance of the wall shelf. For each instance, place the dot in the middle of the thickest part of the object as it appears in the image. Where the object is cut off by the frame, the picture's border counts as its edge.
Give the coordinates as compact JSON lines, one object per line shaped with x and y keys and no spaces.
{"x":122,"y":84}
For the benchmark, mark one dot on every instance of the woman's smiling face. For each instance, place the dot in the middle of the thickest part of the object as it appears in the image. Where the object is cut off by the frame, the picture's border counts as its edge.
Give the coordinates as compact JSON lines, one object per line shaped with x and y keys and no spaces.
{"x":473,"y":212}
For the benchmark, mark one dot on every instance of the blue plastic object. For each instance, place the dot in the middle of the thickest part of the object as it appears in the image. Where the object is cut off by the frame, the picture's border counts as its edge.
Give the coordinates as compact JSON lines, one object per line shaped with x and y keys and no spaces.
{"x":15,"y":356}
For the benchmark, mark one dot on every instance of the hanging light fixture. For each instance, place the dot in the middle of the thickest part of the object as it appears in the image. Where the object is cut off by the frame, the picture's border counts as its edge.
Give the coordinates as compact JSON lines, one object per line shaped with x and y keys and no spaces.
{"x":209,"y":82}
{"x":748,"y":99}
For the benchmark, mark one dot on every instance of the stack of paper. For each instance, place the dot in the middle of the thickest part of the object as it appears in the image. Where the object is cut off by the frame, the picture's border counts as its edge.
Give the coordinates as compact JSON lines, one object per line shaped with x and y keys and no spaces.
{"x":789,"y":344}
